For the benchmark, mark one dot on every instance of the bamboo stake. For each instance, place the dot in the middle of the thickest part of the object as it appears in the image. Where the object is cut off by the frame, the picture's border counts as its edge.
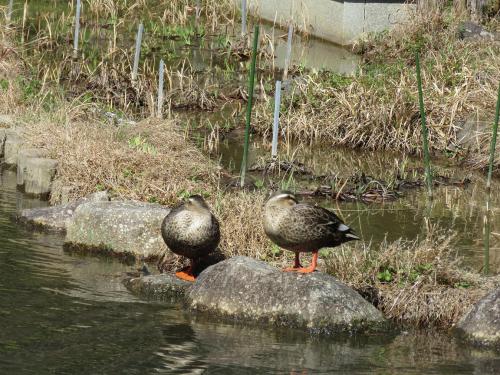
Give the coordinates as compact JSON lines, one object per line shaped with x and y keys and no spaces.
{"x":288,"y":55}
{"x":160,"y":88}
{"x":25,"y":14}
{"x":243,"y":17}
{"x":425,"y":131}
{"x":9,"y":10}
{"x":276,"y":123}
{"x":77,"y":28}
{"x":138,"y":41}
{"x":251,"y":83}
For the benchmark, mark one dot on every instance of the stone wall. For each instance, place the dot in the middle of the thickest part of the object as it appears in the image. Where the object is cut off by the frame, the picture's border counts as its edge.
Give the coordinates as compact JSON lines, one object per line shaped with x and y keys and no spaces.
{"x":341,"y":22}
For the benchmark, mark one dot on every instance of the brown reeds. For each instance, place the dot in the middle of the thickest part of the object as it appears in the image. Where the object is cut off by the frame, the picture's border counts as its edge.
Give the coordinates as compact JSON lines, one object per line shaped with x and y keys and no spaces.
{"x":377,"y":108}
{"x":419,"y":282}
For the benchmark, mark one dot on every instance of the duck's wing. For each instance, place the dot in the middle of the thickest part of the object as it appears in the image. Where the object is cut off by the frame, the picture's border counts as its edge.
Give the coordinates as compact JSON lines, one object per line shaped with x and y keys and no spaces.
{"x":322,"y":221}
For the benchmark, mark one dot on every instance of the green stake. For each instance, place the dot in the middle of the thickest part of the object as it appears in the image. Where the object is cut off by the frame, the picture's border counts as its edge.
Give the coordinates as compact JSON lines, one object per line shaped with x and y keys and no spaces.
{"x":425,"y":131}
{"x":493,"y":142}
{"x":249,"y":106}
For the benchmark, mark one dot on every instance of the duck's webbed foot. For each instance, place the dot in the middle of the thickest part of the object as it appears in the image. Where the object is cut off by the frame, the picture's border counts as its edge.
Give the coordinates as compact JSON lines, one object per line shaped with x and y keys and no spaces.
{"x":313,"y":265}
{"x":297,"y":266}
{"x":187,"y":273}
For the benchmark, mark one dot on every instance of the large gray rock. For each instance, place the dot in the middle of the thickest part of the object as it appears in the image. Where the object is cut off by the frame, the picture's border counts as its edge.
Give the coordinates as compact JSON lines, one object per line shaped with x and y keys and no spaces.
{"x":56,"y":218}
{"x":23,"y":156}
{"x":38,"y":175}
{"x":481,"y":325}
{"x":163,"y":287}
{"x":13,"y":144}
{"x":247,"y":289}
{"x":121,"y":228}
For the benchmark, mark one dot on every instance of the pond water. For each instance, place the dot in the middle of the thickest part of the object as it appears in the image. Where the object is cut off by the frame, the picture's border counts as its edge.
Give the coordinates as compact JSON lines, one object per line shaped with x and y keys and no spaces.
{"x":63,"y":314}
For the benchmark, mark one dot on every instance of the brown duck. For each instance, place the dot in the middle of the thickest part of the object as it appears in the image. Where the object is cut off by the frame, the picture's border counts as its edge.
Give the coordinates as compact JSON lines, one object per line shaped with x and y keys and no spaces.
{"x":192,"y":231}
{"x":301,"y":227}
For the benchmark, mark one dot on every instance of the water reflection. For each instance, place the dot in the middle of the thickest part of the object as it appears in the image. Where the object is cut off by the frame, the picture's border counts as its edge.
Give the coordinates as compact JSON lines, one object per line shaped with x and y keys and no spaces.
{"x":487,"y":233}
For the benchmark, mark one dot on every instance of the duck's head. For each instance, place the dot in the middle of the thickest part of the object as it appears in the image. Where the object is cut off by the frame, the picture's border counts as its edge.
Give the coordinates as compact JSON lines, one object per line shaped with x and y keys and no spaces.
{"x":282,"y":198}
{"x":196,"y":202}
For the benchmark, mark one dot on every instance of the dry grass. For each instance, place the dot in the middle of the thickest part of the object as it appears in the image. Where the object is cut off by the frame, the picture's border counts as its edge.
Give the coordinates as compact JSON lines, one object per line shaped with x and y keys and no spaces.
{"x":10,"y":67}
{"x":378,"y":107}
{"x":417,"y":283}
{"x":240,"y":215}
{"x":150,"y":161}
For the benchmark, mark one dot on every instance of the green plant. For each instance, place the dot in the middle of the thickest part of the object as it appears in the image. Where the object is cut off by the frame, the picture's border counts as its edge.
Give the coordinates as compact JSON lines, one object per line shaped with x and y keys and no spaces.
{"x":183,"y":194}
{"x":462,"y":285}
{"x":4,"y":84}
{"x":276,"y":250}
{"x":386,"y":275}
{"x":128,"y":173}
{"x":139,"y":143}
{"x":259,"y":184}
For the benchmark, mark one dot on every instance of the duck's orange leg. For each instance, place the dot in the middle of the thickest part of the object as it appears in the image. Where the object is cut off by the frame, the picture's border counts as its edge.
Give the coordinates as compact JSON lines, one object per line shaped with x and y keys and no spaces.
{"x":187,"y":273}
{"x":313,"y":265}
{"x":297,"y":266}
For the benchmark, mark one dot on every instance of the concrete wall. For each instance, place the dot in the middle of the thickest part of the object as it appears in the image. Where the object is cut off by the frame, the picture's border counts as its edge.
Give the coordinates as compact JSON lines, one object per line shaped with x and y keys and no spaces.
{"x":338,"y":21}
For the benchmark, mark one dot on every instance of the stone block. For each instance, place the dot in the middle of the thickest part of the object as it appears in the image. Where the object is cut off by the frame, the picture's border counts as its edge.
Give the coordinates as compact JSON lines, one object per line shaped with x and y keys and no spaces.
{"x":38,"y":176}
{"x":13,"y":144}
{"x":23,"y":156}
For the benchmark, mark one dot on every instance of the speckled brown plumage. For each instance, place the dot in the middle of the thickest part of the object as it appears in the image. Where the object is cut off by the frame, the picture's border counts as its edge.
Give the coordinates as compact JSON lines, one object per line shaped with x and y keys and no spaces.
{"x":191,"y":230}
{"x":301,"y":227}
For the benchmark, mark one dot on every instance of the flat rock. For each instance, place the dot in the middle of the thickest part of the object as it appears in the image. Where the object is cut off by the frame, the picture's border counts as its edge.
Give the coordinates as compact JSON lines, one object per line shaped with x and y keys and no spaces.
{"x":481,"y":325}
{"x":246,"y":289}
{"x":119,"y":228}
{"x":162,"y":287}
{"x":56,"y":218}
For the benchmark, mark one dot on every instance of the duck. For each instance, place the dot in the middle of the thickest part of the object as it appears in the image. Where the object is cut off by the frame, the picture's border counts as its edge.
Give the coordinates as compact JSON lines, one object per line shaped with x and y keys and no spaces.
{"x":303,"y":228}
{"x":192,"y":231}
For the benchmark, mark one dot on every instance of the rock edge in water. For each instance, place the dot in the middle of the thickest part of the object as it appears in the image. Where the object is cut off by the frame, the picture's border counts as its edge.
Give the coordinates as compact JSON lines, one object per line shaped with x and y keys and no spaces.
{"x":481,"y":325}
{"x":252,"y":291}
{"x":56,"y":218}
{"x":163,"y":287}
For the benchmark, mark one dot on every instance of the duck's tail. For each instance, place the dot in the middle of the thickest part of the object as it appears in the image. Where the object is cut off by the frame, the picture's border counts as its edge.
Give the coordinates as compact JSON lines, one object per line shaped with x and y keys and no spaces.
{"x":347,"y":232}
